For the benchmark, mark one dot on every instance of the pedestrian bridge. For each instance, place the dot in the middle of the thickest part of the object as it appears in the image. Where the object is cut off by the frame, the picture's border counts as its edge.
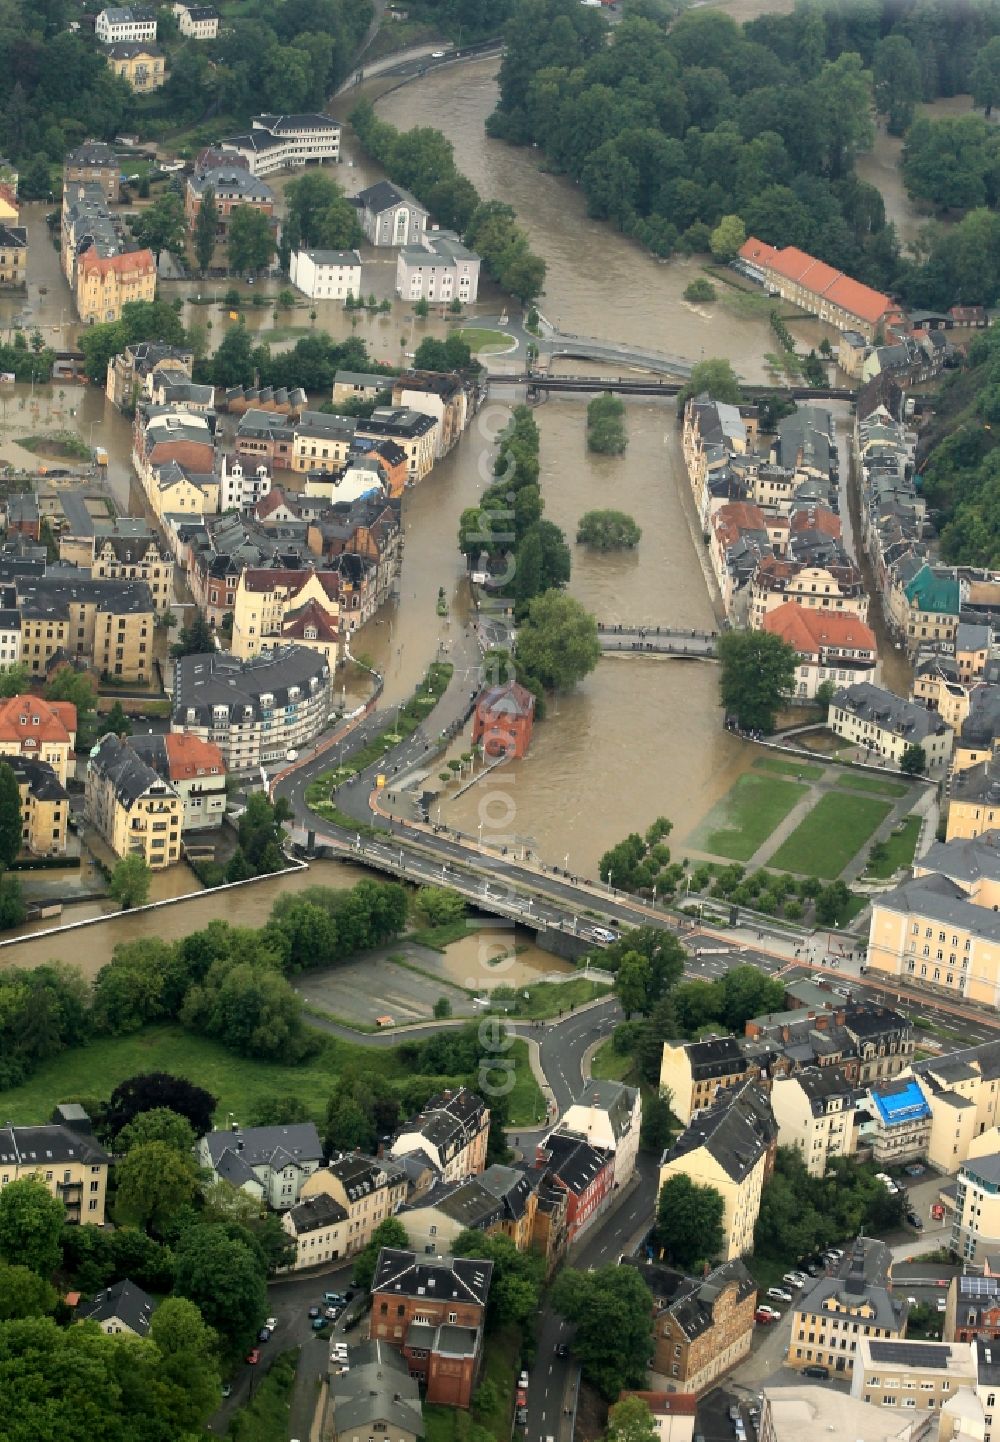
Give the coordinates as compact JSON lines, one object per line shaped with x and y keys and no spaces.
{"x":656,"y":641}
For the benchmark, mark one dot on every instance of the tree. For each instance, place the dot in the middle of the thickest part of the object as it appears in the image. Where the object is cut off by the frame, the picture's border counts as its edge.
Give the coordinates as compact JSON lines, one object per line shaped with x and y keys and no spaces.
{"x":129,"y":884}
{"x":831,"y":903}
{"x":516,"y":1283}
{"x":163,"y":225}
{"x":14,"y":679}
{"x":10,"y":816}
{"x":115,"y":723}
{"x":390,"y":1233}
{"x":632,"y":983}
{"x":233,"y":363}
{"x":249,"y":1007}
{"x":727,"y":237}
{"x":31,"y":1223}
{"x":224,"y":1278}
{"x":558,"y":643}
{"x":746,"y":992}
{"x":440,"y":906}
{"x":985,"y":77}
{"x":717,"y":379}
{"x":23,"y":1293}
{"x":897,"y":82}
{"x":188,"y":1372}
{"x":631,"y":1421}
{"x":206,"y":226}
{"x":76,"y":687}
{"x":825,"y":692}
{"x":757,"y":674}
{"x":612,"y":1309}
{"x":159,"y":1124}
{"x":442,"y":1008}
{"x":913,"y":761}
{"x":689,"y":1222}
{"x":196,"y":639}
{"x":155,"y":1090}
{"x":154,"y":1182}
{"x":251,"y":240}
{"x":319,"y":215}
{"x":607,"y":530}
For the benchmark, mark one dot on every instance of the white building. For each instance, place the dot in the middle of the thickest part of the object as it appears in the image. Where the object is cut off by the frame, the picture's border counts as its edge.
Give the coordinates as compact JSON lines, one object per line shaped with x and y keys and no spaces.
{"x":197,"y":22}
{"x":608,"y":1115}
{"x":816,"y":1112}
{"x":326,"y":274}
{"x":133,"y":22}
{"x":883,"y":724}
{"x":286,"y":142}
{"x":441,"y":269}
{"x":269,"y":1163}
{"x":240,"y":490}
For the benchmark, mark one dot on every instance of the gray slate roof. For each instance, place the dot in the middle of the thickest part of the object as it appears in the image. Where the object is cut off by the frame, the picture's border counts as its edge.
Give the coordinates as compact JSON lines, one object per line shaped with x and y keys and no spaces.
{"x":736,"y":1130}
{"x":454,"y":1279}
{"x":124,"y":1301}
{"x":378,"y":1388}
{"x":888,"y":711}
{"x":127,"y":771}
{"x":267,"y":1146}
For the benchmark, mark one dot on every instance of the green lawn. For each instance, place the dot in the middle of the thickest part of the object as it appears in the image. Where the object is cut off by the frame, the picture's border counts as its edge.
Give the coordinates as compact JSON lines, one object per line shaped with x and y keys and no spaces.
{"x":239,"y":1083}
{"x":787,"y":767}
{"x":746,"y":816}
{"x":899,"y":848}
{"x":551,"y":998}
{"x":489,"y":341}
{"x":267,"y":1417}
{"x":438,"y":937}
{"x":610,"y":1065}
{"x":834,"y":831}
{"x":874,"y":784}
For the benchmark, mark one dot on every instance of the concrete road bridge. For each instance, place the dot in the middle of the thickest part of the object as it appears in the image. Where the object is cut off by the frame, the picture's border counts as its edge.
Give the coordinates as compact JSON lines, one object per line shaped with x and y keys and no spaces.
{"x":657,"y":641}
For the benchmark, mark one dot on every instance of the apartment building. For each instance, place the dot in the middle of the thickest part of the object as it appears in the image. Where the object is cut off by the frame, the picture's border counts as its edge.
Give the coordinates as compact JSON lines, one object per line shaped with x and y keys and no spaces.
{"x":882,"y":724}
{"x":816,"y":287}
{"x":900,"y":1125}
{"x":255,"y":711}
{"x":265,"y":438}
{"x":131,"y":558}
{"x":140,"y":63}
{"x":694,"y":1072}
{"x":93,"y":163}
{"x":932,"y":608}
{"x":831,"y":646}
{"x":86,"y":225}
{"x":270,"y":602}
{"x":130,"y":372}
{"x":608,"y":1115}
{"x":790,"y":1413}
{"x":321,"y":442}
{"x":125,"y":22}
{"x":106,"y":283}
{"x":66,"y":1156}
{"x":106,"y":624}
{"x":359,"y":386}
{"x":376,"y":1396}
{"x":501,"y":1201}
{"x":729,"y":1147}
{"x":368,"y":1189}
{"x":135,"y":810}
{"x":232,"y":186}
{"x":816,"y":1113}
{"x":326,"y":274}
{"x":414,"y":432}
{"x":975,"y":1223}
{"x":702,"y":1326}
{"x":942,"y":928}
{"x":921,"y":1376}
{"x":286,"y":142}
{"x":973,"y":1309}
{"x":271,"y":1164}
{"x":440,"y":269}
{"x":44,"y":807}
{"x":834,"y":1313}
{"x":444,"y":397}
{"x":835,"y":585}
{"x":197,"y":22}
{"x":452,"y":1131}
{"x":242,"y":489}
{"x":32,"y":729}
{"x":974,"y":801}
{"x":318,"y":1227}
{"x":433,"y":1310}
{"x":13,"y":255}
{"x":194,"y":768}
{"x":583,"y":1172}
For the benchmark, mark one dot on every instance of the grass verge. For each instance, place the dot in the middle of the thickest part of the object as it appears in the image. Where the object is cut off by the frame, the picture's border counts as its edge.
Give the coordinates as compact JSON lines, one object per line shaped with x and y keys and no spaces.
{"x":798,"y":769}
{"x":873,"y":784}
{"x":267,"y":1417}
{"x":834,"y":831}
{"x":545,"y":999}
{"x":480,"y":340}
{"x":745,"y":817}
{"x":527,"y":1105}
{"x":438,"y":937}
{"x":899,"y":850}
{"x":609,"y":1065}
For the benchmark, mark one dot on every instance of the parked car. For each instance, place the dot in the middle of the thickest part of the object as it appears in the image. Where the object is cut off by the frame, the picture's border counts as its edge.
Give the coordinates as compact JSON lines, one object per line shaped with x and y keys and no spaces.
{"x":835,"y":1252}
{"x":264,"y":1335}
{"x":763,"y":1307}
{"x":764,"y":1318}
{"x":602,"y":933}
{"x":821,"y":1373}
{"x":734,"y":1412}
{"x":332,"y":1313}
{"x":937,"y":1212}
{"x":942,"y":1304}
{"x":778,"y":1295}
{"x":227,"y":1389}
{"x":522,"y":1381}
{"x":562,"y":1350}
{"x":314,"y":1311}
{"x":793,"y":1279}
{"x":271,"y":1323}
{"x":914,"y":1170}
{"x":318,"y":1323}
{"x":334,"y":1299}
{"x":915,"y":1221}
{"x":253,"y":1356}
{"x":521,"y":1416}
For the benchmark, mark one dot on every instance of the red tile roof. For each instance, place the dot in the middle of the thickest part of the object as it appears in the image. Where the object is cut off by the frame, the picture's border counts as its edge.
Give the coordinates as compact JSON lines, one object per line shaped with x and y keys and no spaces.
{"x":311,"y":614}
{"x":821,"y":279}
{"x":667,"y":1404}
{"x":816,"y":518}
{"x":130,"y":262}
{"x":189,"y":757}
{"x":814,"y":631}
{"x":22,"y":716}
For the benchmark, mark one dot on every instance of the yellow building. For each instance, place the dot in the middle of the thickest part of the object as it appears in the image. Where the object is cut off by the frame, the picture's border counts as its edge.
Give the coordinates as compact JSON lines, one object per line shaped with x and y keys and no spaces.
{"x":694,"y":1072}
{"x":835,"y":1313}
{"x":883,"y":724}
{"x":37,"y":730}
{"x":816,"y":1114}
{"x":943,"y":927}
{"x":124,"y":558}
{"x":269,"y":603}
{"x":728,"y":1148}
{"x":975,"y":1226}
{"x":963,"y":1092}
{"x":13,"y":254}
{"x":66,"y":1156}
{"x":318,"y":1227}
{"x":139,"y":63}
{"x":924,"y":1378}
{"x":974,"y":801}
{"x":106,"y":624}
{"x":44,"y":808}
{"x":321,"y":442}
{"x":367,"y":1189}
{"x":106,"y":283}
{"x":499,"y":1202}
{"x":136,"y":811}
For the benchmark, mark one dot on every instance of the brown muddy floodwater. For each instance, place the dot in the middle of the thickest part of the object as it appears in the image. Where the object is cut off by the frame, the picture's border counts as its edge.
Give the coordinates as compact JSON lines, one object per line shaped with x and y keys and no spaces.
{"x":499,"y":956}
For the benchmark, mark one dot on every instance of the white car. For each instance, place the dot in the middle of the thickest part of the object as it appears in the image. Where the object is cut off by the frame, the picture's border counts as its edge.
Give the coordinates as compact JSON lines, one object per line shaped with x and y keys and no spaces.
{"x":942,"y":1304}
{"x":793,"y":1280}
{"x":271,"y":1323}
{"x":601,"y":933}
{"x":771,"y":1311}
{"x":777,"y":1295}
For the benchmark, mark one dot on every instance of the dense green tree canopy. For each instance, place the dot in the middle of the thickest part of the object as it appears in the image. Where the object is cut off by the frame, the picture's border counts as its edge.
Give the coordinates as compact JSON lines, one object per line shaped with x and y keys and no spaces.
{"x":613,"y":1313}
{"x":558,"y":643}
{"x":31,"y":1222}
{"x":757,"y":674}
{"x":689,"y":1222}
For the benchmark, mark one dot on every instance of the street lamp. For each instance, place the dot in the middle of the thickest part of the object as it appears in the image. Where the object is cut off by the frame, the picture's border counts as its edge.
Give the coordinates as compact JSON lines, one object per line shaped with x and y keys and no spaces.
{"x":610,"y":879}
{"x":480,"y":834}
{"x":566,"y":862}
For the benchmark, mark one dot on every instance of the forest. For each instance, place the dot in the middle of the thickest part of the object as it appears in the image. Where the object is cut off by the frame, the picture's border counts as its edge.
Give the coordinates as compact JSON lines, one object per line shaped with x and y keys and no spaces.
{"x":667,"y":131}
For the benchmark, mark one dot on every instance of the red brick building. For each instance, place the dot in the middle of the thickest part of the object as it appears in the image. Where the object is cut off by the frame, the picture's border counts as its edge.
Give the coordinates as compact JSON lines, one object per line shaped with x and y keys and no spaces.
{"x":433,"y":1309}
{"x":585,"y":1173}
{"x":503,"y":720}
